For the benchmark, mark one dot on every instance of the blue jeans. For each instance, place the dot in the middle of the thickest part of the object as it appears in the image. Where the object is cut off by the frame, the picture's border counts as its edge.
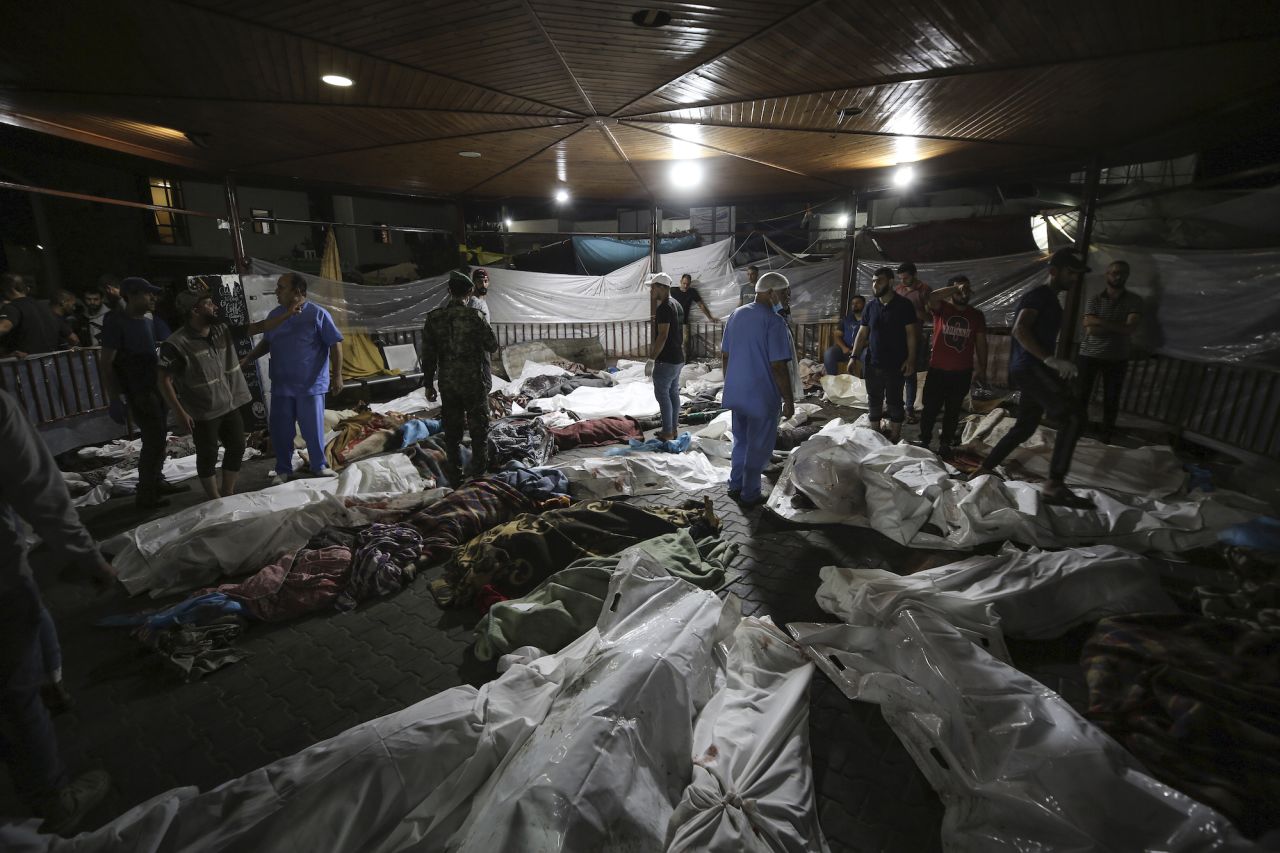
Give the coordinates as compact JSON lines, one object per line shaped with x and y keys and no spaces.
{"x":833,"y":358}
{"x":666,"y":387}
{"x":308,"y":413}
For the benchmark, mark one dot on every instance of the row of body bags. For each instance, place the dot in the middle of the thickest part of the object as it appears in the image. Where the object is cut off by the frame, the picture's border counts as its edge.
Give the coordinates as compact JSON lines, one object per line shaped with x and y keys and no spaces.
{"x":674,"y":724}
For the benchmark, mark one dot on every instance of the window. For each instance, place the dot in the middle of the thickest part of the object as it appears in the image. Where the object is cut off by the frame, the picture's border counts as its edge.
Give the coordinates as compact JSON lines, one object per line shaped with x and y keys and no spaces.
{"x":258,"y":214}
{"x":167,"y":228}
{"x":382,"y":234}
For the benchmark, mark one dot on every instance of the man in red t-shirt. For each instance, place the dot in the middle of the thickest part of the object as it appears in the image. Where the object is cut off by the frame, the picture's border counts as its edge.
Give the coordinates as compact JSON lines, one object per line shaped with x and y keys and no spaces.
{"x":959,"y":334}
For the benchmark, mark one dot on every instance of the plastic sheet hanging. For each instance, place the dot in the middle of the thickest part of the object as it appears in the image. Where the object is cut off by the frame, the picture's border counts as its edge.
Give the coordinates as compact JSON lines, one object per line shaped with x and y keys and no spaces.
{"x":514,"y":296}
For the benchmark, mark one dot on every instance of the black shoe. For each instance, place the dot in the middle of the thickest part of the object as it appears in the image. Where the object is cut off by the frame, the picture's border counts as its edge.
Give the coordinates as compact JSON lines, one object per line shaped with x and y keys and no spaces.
{"x":735,"y":493}
{"x":55,"y":697}
{"x":167,"y":488}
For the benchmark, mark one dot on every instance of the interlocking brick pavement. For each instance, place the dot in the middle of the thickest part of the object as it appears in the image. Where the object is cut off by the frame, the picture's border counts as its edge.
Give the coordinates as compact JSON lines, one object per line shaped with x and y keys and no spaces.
{"x":311,"y":679}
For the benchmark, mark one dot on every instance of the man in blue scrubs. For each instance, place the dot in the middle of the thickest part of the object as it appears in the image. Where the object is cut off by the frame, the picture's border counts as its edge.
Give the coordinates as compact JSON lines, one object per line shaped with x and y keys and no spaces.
{"x":306,"y":361}
{"x":754,"y":354}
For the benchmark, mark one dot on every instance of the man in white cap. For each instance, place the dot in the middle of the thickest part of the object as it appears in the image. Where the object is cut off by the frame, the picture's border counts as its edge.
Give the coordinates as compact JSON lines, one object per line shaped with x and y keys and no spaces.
{"x":754,"y":354}
{"x":667,"y":354}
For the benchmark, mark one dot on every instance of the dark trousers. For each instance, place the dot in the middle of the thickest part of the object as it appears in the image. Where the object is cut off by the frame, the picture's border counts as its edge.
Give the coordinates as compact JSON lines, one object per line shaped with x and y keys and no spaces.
{"x":149,"y":413}
{"x":1112,"y":372}
{"x":28,"y":743}
{"x":944,"y":391}
{"x":884,"y":392}
{"x":466,"y":413}
{"x":227,"y":429}
{"x":1042,"y":391}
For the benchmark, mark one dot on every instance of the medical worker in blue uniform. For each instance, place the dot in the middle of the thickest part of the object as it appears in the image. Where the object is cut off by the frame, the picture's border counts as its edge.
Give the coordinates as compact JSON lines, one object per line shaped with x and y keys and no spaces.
{"x":755,"y":352}
{"x":306,"y":361}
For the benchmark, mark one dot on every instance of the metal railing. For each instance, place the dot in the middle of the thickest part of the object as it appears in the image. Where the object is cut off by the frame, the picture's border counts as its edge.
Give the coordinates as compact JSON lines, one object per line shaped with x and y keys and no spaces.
{"x":55,"y":386}
{"x":1235,"y":405}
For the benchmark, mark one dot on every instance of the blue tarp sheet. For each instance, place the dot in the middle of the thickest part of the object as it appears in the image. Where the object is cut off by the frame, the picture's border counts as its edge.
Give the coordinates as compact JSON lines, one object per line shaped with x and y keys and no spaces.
{"x":603,"y":255}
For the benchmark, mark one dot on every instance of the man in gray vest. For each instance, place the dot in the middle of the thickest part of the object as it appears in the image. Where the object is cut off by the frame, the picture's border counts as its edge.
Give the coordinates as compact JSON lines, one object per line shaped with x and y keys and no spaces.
{"x":201,"y":379}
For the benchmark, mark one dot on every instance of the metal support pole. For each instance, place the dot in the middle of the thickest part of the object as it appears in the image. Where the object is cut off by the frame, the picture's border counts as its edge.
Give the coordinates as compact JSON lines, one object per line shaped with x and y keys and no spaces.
{"x":848,"y":280}
{"x":655,"y":234}
{"x":1084,"y":232}
{"x":233,"y":221}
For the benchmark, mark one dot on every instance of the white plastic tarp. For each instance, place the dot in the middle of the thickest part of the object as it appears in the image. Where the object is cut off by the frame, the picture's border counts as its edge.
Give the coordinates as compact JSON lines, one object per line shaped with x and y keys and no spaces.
{"x":641,"y":474}
{"x":854,"y":475}
{"x":815,"y":287}
{"x":592,"y":748}
{"x":240,"y":533}
{"x":515,"y":296}
{"x":1151,"y":471}
{"x":1026,"y":594}
{"x":1176,"y":285}
{"x":1015,"y":766}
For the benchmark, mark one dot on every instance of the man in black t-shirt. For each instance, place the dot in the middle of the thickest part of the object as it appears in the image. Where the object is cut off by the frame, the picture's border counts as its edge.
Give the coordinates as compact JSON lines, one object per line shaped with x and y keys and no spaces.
{"x":687,"y":296}
{"x":26,"y":325}
{"x":667,"y":353}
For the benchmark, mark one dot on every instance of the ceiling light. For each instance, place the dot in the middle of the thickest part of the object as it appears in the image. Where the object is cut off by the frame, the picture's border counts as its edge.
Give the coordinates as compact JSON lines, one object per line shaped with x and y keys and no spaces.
{"x":562,"y":195}
{"x":650,"y":18}
{"x":842,"y":221}
{"x":685,"y":174}
{"x":468,"y":153}
{"x":38,"y":246}
{"x":904,"y":176}
{"x":338,"y":80}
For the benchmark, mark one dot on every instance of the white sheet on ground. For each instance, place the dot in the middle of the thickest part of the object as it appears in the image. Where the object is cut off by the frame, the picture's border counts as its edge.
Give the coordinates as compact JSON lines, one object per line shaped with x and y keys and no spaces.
{"x":641,"y":474}
{"x":123,"y":479}
{"x":845,"y":389}
{"x":1032,"y":594}
{"x":241,"y":533}
{"x":591,"y":748}
{"x":632,"y":399}
{"x":415,"y":402}
{"x":1016,"y":767}
{"x":1150,"y":472}
{"x":854,"y":475}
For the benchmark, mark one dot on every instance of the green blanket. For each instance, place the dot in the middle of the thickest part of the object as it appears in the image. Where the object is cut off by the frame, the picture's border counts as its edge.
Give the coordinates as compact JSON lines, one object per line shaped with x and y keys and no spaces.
{"x":566,"y":605}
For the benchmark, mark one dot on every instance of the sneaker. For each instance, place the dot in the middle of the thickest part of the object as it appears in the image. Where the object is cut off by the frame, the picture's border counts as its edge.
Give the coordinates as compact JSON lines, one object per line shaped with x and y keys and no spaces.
{"x":55,"y":697}
{"x":278,"y":479}
{"x":64,"y":809}
{"x":734,"y":494}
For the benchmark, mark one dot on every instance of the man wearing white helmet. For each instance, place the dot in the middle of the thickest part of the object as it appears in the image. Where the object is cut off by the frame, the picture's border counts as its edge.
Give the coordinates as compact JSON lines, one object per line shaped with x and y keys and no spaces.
{"x":754,"y":353}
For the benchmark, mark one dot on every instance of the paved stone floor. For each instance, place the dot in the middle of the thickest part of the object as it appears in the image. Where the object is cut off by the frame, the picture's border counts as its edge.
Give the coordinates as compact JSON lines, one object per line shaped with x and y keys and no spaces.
{"x":311,"y":679}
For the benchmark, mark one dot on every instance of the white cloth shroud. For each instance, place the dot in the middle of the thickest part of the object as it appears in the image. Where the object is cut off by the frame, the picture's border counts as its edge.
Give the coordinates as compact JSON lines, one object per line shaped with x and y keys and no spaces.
{"x":1036,"y":595}
{"x":641,"y":474}
{"x":1150,"y":472}
{"x":239,"y":534}
{"x":592,"y":748}
{"x":854,"y":475}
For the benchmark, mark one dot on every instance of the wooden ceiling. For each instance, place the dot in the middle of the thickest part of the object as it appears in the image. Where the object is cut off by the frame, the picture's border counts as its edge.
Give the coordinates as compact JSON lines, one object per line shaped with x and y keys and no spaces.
{"x":572,"y":93}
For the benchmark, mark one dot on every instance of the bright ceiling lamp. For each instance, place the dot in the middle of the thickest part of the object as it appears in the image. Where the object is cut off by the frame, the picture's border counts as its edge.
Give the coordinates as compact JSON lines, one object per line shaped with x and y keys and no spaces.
{"x":904,"y":176}
{"x":686,"y":175}
{"x":842,"y":221}
{"x":338,"y":80}
{"x":562,"y":195}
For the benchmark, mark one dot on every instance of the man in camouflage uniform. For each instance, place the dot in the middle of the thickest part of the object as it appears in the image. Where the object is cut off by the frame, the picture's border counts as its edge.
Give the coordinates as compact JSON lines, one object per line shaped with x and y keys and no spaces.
{"x":457,"y":339}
